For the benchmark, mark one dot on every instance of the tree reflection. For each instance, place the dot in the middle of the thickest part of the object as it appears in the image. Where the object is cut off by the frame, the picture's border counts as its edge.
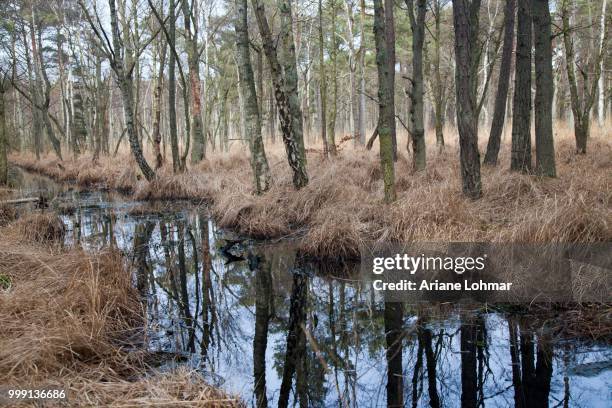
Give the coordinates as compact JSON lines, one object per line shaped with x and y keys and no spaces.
{"x":394,"y":319}
{"x":263,"y":300}
{"x":531,"y":366}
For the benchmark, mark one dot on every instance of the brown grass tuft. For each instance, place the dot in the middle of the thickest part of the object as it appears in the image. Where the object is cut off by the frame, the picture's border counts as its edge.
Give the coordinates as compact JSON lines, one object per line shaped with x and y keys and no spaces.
{"x":39,"y":227}
{"x":68,"y":321}
{"x":8,"y":213}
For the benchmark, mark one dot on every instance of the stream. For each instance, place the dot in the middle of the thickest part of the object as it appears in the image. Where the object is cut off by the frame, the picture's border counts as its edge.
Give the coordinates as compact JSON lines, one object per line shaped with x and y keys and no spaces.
{"x":238,"y":311}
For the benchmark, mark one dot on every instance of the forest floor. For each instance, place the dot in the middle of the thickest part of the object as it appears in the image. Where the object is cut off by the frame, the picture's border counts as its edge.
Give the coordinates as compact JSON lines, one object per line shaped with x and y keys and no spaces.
{"x":71,"y":320}
{"x":342,"y":205}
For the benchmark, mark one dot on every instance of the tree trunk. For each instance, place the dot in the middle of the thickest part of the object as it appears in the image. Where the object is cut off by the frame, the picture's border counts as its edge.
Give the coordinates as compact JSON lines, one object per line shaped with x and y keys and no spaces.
{"x":417,"y":25}
{"x":3,"y":138}
{"x":390,"y":60}
{"x":333,"y":109}
{"x":191,"y":45}
{"x":386,"y":112}
{"x":545,"y":148}
{"x":176,"y":161}
{"x":259,"y":162}
{"x":521,"y":120}
{"x":362,"y":70}
{"x":439,"y":88}
{"x":125,"y":84}
{"x":601,"y":90}
{"x":285,"y":92}
{"x":499,"y":113}
{"x":157,"y":102}
{"x":465,"y":21}
{"x":322,"y":83}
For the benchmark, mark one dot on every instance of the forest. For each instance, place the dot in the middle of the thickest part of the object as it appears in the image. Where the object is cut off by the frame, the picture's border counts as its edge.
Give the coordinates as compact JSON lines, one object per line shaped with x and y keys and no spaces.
{"x":192,"y":193}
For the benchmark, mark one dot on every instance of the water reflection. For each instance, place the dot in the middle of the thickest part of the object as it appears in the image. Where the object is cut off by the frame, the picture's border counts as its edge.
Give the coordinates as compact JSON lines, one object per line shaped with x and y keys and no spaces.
{"x":261,"y":321}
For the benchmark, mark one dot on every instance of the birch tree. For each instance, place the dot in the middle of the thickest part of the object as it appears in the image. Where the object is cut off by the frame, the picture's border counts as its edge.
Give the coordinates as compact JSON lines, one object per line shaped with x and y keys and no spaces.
{"x":259,"y":162}
{"x":285,"y":88}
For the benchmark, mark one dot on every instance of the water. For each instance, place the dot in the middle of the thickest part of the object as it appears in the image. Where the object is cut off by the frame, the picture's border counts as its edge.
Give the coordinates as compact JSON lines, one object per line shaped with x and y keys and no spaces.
{"x":236,"y":309}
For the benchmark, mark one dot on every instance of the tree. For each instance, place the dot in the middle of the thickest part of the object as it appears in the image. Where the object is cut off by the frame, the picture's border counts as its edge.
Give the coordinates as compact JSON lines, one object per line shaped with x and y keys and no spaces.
{"x":386,"y":111}
{"x":590,"y":70}
{"x":3,"y":135}
{"x":322,"y":83}
{"x":417,"y":25}
{"x":190,"y":14}
{"x":176,"y":161}
{"x":499,"y":113}
{"x":521,"y":105}
{"x":259,"y":162}
{"x":333,"y":107}
{"x":439,"y":86}
{"x":465,"y":21}
{"x":285,"y":89}
{"x":545,"y":148}
{"x":117,"y":54}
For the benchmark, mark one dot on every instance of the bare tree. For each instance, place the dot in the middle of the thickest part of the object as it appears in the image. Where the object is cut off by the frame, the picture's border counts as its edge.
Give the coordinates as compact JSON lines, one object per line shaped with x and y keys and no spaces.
{"x":117,"y":54}
{"x":259,"y":162}
{"x":590,"y":72}
{"x":499,"y":113}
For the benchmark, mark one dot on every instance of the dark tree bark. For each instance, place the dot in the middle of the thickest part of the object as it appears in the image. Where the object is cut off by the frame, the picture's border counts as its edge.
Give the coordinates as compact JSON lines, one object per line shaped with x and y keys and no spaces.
{"x":465,"y":21}
{"x":499,"y":113}
{"x":259,"y":162}
{"x":521,"y":109}
{"x":390,"y":60}
{"x":417,"y":86}
{"x":439,"y":87}
{"x":394,"y":319}
{"x":386,"y":111}
{"x":542,"y":36}
{"x":176,"y":160}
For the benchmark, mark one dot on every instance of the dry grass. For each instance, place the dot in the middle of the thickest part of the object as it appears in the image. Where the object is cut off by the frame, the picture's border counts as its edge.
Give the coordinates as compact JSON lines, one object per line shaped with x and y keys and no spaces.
{"x":68,"y":321}
{"x":39,"y":227}
{"x":341,"y":206}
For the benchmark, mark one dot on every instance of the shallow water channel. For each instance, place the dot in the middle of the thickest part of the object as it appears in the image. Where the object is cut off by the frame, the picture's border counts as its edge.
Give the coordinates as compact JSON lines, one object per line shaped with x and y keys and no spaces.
{"x":255,"y":319}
